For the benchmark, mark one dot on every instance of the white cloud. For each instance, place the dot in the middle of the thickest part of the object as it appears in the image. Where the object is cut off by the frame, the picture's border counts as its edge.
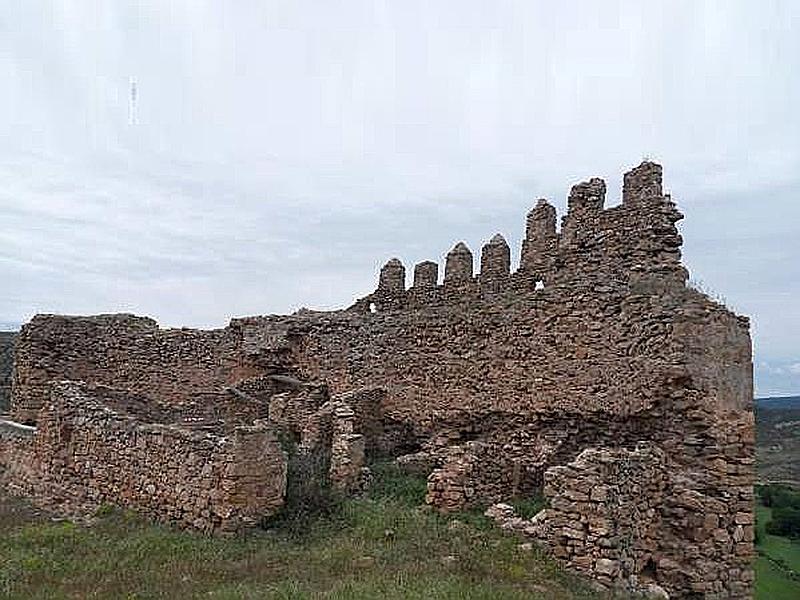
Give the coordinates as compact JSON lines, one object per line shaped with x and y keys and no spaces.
{"x":286,"y":149}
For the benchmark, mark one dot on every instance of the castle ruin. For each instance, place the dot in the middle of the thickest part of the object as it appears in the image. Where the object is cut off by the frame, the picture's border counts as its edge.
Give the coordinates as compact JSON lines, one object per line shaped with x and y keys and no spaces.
{"x":592,"y":374}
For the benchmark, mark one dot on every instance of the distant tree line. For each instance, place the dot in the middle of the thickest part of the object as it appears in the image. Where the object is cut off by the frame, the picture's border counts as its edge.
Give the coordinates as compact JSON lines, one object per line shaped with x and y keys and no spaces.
{"x":785,"y":505}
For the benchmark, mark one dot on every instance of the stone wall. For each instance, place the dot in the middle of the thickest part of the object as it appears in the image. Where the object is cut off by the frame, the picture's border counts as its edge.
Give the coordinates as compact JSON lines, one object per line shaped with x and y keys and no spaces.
{"x":335,"y":439}
{"x":16,"y":442}
{"x":7,"y":340}
{"x":130,"y":352}
{"x":367,"y":407}
{"x":493,"y":378}
{"x":473,"y":474}
{"x":604,"y":514}
{"x":627,"y":519}
{"x":94,"y":445}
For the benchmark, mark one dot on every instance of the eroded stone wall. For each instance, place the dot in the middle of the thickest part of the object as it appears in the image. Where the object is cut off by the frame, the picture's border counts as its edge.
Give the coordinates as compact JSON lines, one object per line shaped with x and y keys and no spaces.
{"x":95,"y":445}
{"x":130,"y":352}
{"x":626,"y":518}
{"x":494,"y":378}
{"x":617,"y":496}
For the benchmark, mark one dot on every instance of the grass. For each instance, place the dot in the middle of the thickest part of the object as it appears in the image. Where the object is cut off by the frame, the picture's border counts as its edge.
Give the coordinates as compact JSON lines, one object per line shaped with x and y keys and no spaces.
{"x":527,"y":507}
{"x":775,"y":546}
{"x":384,"y":545}
{"x":772,"y":582}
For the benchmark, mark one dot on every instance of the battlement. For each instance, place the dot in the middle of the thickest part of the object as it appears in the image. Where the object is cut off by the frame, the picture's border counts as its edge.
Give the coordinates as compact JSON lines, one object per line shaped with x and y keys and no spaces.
{"x":595,"y":247}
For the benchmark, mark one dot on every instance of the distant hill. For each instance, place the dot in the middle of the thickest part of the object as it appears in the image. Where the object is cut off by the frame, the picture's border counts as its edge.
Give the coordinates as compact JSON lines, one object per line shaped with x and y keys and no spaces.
{"x":778,"y":433}
{"x":779,"y":403}
{"x":6,"y":365}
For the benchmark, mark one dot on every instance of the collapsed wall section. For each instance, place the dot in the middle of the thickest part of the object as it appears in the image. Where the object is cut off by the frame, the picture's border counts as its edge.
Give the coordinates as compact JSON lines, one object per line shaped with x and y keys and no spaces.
{"x":88,"y":450}
{"x":604,"y":512}
{"x":624,"y":517}
{"x":332,"y":443}
{"x":628,"y":518}
{"x":130,"y":352}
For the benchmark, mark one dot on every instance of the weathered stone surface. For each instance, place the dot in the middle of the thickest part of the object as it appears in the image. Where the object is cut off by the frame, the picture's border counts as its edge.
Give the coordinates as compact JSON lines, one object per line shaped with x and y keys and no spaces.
{"x":495,"y":266}
{"x":458,"y":265}
{"x":393,"y":277}
{"x":93,"y":446}
{"x":426,"y":275}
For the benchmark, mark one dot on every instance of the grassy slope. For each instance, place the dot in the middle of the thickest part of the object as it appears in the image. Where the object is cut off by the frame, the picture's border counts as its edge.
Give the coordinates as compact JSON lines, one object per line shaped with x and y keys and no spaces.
{"x":778,"y":448}
{"x":383,"y":546}
{"x":347,"y":556}
{"x":771,"y":582}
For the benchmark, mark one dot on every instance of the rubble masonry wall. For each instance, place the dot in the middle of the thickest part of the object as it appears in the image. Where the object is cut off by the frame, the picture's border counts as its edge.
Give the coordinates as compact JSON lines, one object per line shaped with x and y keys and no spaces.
{"x":88,"y":450}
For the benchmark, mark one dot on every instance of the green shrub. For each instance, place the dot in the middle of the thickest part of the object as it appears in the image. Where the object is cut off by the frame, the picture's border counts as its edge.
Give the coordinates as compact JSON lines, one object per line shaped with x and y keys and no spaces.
{"x":527,"y":506}
{"x":391,"y":481}
{"x":778,"y":496}
{"x":104,"y":510}
{"x":310,"y":499}
{"x":785,"y":522}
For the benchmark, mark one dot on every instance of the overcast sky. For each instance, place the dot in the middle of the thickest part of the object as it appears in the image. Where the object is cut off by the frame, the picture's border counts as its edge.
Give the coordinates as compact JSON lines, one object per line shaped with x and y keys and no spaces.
{"x":283,"y":150}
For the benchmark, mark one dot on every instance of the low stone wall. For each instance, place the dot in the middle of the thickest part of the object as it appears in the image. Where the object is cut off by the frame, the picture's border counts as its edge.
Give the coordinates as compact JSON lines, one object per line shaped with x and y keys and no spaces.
{"x":632,"y":518}
{"x":512,"y":452}
{"x":604,"y":513}
{"x":472,"y":474}
{"x":87,"y":452}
